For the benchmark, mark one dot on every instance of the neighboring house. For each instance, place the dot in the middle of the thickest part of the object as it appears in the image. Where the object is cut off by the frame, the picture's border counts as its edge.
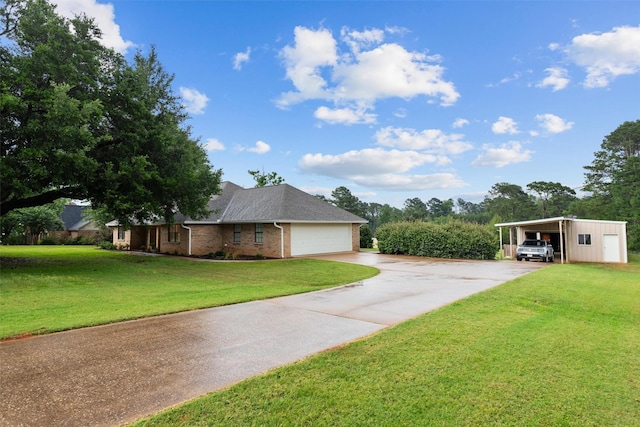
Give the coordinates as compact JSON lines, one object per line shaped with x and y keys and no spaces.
{"x":76,"y":224}
{"x":574,"y":240}
{"x":278,"y":221}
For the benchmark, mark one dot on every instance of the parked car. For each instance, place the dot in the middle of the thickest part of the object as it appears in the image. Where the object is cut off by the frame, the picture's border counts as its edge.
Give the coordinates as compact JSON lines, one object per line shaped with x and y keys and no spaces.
{"x":535,"y":249}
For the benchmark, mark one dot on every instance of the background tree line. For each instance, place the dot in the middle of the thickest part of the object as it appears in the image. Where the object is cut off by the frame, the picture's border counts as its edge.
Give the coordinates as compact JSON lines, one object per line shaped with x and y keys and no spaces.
{"x":612,"y":185}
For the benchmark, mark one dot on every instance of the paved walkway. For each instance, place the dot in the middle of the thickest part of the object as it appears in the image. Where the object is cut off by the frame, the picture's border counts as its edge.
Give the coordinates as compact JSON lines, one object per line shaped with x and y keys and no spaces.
{"x":114,"y":374}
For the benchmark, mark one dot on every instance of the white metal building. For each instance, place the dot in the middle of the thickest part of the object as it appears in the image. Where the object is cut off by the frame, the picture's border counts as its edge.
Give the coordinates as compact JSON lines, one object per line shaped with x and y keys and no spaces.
{"x":573,"y":240}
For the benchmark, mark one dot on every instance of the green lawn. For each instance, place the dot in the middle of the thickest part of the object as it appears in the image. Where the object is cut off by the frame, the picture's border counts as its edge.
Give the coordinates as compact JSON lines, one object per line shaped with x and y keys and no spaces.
{"x":52,"y":288}
{"x":557,"y":347}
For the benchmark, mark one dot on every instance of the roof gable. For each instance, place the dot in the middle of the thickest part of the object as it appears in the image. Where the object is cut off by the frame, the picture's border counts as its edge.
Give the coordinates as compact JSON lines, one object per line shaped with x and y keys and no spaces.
{"x":278,"y":203}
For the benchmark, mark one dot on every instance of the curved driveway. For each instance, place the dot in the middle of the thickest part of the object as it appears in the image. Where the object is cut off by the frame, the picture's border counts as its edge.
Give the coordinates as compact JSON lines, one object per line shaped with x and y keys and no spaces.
{"x":114,"y":374}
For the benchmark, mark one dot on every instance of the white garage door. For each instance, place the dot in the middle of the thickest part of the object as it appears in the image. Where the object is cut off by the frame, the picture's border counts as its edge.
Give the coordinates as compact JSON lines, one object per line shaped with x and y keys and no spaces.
{"x":307,"y":239}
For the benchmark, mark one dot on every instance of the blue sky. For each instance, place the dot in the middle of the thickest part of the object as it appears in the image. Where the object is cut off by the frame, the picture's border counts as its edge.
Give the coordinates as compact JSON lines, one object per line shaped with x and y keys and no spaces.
{"x":393,"y":100}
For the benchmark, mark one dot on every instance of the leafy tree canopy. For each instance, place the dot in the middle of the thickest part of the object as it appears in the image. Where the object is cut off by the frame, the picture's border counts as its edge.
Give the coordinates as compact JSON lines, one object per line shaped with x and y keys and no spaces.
{"x":342,"y":198}
{"x":510,"y":202}
{"x":25,"y":225}
{"x":78,"y":121}
{"x":415,"y":210}
{"x":263,"y":179}
{"x":553,"y":198}
{"x":613,"y":178}
{"x":440,"y":208}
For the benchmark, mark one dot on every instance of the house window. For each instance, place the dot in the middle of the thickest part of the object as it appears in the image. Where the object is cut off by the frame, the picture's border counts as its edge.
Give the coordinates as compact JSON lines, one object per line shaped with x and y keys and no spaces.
{"x":121,"y":233}
{"x":259,"y":233}
{"x":237,"y":228}
{"x":584,"y":239}
{"x":174,"y":233}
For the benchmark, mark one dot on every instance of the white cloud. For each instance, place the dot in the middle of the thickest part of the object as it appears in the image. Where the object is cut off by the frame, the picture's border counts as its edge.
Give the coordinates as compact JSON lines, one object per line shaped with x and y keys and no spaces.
{"x":400,"y":113}
{"x":606,"y":56}
{"x":505,"y":125}
{"x":370,"y":71}
{"x":194,"y":101}
{"x":395,"y":182}
{"x":345,"y":116}
{"x":430,"y":140}
{"x":557,"y":78}
{"x":240,"y":58}
{"x":458,"y":123}
{"x":261,"y":147}
{"x":554,"y":46}
{"x":513,"y":77}
{"x":390,"y":71}
{"x":506,"y":154}
{"x":104,"y":19}
{"x":213,"y":144}
{"x":369,"y":162}
{"x":358,"y":40}
{"x":553,"y":124}
{"x":311,"y":51}
{"x":379,"y":168}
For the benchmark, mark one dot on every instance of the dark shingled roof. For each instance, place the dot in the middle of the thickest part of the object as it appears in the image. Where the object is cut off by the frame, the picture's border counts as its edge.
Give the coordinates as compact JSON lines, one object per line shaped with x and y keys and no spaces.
{"x":278,"y":203}
{"x":71,"y":215}
{"x":73,"y":218}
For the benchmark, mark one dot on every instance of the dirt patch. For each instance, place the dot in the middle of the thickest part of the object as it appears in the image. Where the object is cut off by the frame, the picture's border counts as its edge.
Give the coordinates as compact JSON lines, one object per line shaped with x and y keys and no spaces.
{"x":23,"y":335}
{"x":14,"y":262}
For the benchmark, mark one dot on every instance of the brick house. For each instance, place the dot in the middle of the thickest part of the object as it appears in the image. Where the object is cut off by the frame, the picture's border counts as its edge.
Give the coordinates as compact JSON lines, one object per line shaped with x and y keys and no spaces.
{"x":76,"y":224}
{"x":278,"y":221}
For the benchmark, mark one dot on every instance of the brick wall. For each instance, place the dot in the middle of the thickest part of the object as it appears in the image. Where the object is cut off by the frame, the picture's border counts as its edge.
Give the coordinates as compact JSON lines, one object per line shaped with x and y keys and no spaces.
{"x":206,"y":239}
{"x":355,"y":237}
{"x":270,"y":246}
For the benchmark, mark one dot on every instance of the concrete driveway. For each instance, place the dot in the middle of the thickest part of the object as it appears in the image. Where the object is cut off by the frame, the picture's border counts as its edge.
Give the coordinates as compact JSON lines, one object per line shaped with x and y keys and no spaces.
{"x":114,"y":374}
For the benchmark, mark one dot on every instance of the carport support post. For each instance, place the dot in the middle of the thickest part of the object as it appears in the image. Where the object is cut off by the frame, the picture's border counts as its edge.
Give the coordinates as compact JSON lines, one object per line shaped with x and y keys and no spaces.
{"x":561,"y":243}
{"x":501,"y":247}
{"x":510,"y":242}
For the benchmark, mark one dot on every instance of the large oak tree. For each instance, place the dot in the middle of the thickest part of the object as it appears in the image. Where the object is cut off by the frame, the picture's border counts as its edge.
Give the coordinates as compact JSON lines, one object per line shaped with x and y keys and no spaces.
{"x":79,"y":121}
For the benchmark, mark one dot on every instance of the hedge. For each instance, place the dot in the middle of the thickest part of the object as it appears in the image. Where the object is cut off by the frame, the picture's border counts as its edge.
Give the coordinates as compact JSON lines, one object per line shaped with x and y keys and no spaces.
{"x":453,"y":239}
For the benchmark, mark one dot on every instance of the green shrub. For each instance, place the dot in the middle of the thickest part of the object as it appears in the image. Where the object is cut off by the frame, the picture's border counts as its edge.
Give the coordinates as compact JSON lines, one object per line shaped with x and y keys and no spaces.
{"x":106,"y":245}
{"x":80,"y":240}
{"x":366,"y":237}
{"x":13,"y":239}
{"x":48,"y":241}
{"x":452,"y":239}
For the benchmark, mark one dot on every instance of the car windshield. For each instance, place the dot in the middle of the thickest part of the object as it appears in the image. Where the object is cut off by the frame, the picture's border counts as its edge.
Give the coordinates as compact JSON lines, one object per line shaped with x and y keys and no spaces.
{"x":534,"y":243}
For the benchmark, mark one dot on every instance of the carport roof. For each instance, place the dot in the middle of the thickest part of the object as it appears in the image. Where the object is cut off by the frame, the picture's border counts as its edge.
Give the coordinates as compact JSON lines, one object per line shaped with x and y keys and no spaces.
{"x":534,"y":221}
{"x":551,"y":220}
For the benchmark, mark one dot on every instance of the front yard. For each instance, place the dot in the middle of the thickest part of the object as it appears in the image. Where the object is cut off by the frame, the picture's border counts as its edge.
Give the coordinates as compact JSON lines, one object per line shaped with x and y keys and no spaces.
{"x":52,"y":288}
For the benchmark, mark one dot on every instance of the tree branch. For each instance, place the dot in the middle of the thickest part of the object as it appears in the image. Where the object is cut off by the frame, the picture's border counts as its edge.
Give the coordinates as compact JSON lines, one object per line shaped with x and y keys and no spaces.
{"x":37,"y":200}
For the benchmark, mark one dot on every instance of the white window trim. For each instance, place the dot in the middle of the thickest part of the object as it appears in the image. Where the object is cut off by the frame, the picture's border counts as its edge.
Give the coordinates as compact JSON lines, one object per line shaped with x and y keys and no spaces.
{"x":584,"y":236}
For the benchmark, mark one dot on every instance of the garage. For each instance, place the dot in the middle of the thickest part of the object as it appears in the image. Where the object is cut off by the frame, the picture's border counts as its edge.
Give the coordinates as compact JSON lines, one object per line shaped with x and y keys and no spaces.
{"x":307,"y":239}
{"x":573,"y":239}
